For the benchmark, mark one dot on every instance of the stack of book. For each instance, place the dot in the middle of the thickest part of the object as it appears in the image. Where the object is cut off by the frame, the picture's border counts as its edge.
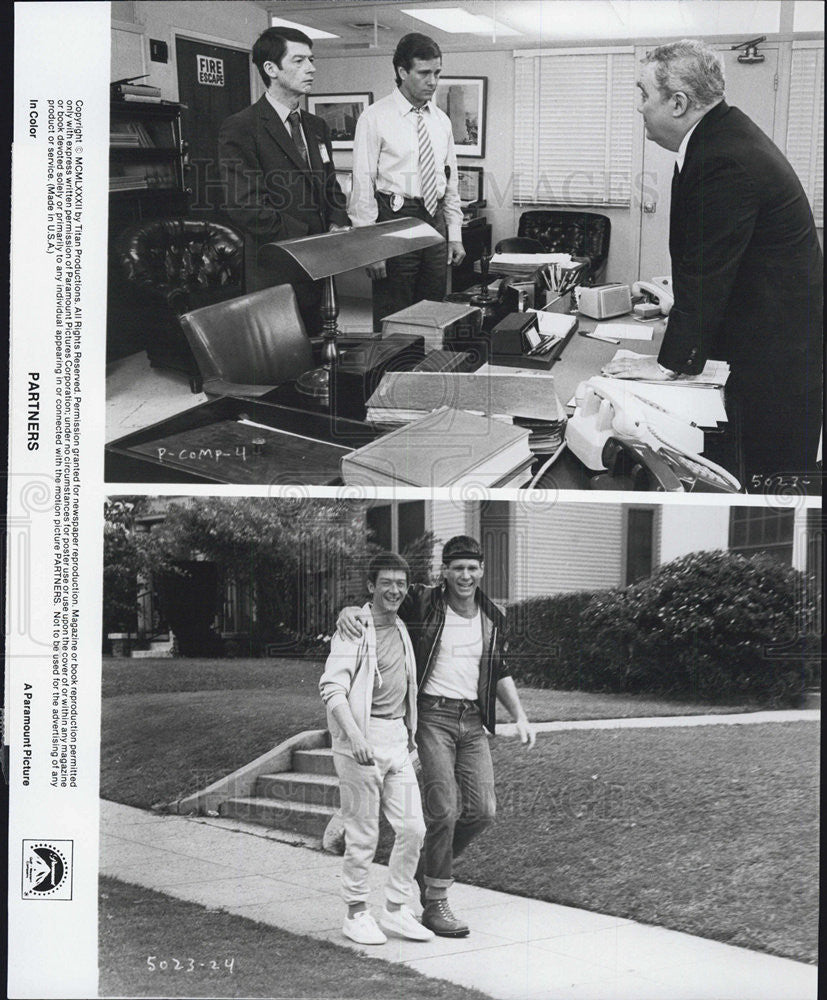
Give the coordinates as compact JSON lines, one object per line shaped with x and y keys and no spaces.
{"x":125,"y":91}
{"x":129,"y":135}
{"x":526,"y":399}
{"x":446,"y":448}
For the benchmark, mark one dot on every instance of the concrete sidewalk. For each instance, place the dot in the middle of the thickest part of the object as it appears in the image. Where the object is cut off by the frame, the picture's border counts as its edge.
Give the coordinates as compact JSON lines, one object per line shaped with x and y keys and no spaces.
{"x":518,"y":949}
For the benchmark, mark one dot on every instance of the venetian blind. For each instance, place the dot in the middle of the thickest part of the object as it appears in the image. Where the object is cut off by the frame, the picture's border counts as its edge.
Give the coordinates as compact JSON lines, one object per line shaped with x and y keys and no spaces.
{"x":573,"y":122}
{"x":805,"y":123}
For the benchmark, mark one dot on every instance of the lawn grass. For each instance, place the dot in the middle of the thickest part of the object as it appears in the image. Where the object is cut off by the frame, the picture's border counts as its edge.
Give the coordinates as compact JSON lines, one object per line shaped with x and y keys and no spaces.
{"x":170,"y":727}
{"x":137,"y":923}
{"x":708,"y":830}
{"x":711,"y":830}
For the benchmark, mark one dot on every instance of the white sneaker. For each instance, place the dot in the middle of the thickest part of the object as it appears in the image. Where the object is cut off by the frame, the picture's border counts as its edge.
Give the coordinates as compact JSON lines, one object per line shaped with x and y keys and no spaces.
{"x":405,"y":924}
{"x":362,"y":929}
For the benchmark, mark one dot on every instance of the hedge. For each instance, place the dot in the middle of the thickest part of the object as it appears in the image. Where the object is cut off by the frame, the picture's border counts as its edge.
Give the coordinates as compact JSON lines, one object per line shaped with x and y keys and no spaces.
{"x":710,"y":625}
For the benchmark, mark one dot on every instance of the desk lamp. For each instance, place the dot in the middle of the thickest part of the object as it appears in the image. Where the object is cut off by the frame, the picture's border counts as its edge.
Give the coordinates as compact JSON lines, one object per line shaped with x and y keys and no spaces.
{"x":328,"y":254}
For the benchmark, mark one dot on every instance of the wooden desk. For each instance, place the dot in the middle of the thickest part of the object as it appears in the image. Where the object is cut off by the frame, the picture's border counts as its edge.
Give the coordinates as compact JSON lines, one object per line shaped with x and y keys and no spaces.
{"x":136,"y":457}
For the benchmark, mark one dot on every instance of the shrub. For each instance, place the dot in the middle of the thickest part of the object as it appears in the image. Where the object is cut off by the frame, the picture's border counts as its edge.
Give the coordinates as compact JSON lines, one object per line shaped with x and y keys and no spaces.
{"x":545,"y":641}
{"x":708,"y":625}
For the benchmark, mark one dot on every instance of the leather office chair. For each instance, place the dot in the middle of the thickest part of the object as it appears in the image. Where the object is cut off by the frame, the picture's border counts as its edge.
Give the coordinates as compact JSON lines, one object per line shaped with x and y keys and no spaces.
{"x":582,"y":234}
{"x":172,"y":266}
{"x":248,"y":345}
{"x":519,"y":244}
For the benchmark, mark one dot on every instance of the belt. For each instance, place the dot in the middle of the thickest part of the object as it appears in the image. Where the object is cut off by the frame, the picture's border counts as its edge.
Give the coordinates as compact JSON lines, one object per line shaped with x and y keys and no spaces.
{"x":438,"y":701}
{"x":408,"y":202}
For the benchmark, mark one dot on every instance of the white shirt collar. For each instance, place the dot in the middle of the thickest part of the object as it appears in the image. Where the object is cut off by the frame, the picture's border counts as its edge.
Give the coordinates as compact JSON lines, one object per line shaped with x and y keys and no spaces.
{"x":688,"y":136}
{"x":404,"y":105}
{"x":281,"y":109}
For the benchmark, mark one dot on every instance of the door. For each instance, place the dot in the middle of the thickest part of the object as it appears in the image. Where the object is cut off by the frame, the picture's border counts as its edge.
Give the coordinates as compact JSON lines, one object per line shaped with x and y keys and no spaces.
{"x":750,"y":87}
{"x":213,"y":83}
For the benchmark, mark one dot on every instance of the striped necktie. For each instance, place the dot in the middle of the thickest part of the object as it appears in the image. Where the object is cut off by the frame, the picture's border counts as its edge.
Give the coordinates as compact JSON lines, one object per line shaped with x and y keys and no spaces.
{"x":427,"y":166}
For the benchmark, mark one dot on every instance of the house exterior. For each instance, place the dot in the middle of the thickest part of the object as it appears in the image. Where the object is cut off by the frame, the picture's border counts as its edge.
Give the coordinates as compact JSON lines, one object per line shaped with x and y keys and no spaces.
{"x":532,"y":548}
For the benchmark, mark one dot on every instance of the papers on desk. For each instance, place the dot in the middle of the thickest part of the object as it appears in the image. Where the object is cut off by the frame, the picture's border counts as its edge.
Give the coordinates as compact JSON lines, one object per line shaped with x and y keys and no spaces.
{"x":525,"y":263}
{"x":697,"y":399}
{"x":622,"y":331}
{"x":715,"y":373}
{"x":552,"y":324}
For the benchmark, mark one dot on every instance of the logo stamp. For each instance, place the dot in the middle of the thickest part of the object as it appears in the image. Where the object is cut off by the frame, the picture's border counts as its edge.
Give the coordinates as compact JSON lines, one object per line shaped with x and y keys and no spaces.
{"x":47,"y":869}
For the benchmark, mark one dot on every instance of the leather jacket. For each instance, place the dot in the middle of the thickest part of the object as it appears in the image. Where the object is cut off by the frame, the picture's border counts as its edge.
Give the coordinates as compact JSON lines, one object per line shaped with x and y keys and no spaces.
{"x":423,"y":611}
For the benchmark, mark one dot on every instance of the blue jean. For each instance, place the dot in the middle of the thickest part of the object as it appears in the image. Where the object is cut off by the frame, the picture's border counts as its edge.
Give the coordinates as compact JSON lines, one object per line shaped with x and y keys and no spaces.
{"x":456,"y":763}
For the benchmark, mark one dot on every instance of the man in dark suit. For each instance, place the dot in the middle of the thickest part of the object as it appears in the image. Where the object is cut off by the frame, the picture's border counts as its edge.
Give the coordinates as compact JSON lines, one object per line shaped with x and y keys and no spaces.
{"x":277,"y":166}
{"x":746,"y":265}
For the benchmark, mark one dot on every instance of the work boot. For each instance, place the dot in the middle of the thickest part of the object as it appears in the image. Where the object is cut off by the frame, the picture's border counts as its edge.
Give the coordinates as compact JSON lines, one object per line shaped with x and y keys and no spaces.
{"x":438,"y":917}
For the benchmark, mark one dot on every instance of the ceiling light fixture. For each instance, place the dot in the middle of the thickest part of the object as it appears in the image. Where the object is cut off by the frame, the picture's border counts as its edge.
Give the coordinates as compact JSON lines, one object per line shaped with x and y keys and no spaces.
{"x":280,"y":22}
{"x":456,"y":21}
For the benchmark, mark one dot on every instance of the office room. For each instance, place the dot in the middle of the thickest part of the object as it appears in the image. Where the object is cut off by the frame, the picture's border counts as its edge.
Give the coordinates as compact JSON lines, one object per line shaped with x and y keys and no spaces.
{"x":542,"y":102}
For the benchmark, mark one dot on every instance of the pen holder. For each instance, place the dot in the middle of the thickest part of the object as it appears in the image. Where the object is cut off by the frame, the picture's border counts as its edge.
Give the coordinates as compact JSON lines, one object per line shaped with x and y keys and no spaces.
{"x":552,"y":302}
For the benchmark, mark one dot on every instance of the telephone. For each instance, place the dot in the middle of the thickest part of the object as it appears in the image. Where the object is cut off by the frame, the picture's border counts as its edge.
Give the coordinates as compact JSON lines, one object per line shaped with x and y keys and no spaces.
{"x":614,"y":430}
{"x":658,"y":292}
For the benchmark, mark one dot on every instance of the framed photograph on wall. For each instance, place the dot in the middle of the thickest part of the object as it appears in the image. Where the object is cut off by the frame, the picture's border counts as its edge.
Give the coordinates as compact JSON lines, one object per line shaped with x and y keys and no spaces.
{"x":470,"y":184}
{"x":340,"y":112}
{"x":462,"y":98}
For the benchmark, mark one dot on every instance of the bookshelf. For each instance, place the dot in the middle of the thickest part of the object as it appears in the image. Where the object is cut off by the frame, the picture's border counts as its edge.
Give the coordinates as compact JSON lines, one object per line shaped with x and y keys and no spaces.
{"x":146,"y":181}
{"x":146,"y":162}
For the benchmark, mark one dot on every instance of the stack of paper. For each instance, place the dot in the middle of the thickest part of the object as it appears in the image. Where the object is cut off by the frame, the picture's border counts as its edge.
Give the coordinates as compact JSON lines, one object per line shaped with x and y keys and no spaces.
{"x":525,"y":263}
{"x":696,"y":399}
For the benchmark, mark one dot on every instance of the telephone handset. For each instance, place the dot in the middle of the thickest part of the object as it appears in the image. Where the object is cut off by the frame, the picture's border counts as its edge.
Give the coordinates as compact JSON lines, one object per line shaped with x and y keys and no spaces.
{"x":657,"y":291}
{"x":610,"y":419}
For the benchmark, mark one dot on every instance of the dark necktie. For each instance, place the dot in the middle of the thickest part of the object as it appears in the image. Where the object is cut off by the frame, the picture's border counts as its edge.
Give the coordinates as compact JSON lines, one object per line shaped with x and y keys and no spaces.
{"x":298,"y":138}
{"x":676,"y":179}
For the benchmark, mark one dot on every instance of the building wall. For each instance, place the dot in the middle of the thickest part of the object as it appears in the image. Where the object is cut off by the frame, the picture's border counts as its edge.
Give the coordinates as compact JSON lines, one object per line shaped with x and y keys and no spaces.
{"x":687,"y":529}
{"x":562,"y":548}
{"x":446,"y":518}
{"x":234,"y":23}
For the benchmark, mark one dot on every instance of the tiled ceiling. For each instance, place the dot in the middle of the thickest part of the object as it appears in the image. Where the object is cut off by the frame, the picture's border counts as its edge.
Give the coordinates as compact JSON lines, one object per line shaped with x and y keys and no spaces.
{"x":539,"y":22}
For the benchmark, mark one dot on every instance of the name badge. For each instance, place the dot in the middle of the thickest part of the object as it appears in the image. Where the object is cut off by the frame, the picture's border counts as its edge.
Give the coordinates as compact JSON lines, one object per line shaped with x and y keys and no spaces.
{"x":323,"y":153}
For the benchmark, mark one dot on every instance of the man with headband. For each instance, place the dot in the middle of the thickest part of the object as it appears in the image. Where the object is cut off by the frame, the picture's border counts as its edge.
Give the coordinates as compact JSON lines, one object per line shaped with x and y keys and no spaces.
{"x":458,"y":638}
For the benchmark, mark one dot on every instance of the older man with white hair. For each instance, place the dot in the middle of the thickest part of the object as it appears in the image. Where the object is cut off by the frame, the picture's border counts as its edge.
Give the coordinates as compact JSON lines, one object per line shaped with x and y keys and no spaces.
{"x":746,"y":263}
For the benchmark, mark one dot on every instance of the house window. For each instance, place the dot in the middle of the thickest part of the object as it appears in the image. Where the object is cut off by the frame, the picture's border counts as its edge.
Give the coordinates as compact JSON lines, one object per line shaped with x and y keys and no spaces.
{"x":394,"y":526}
{"x":805,"y":122}
{"x":573,"y":124}
{"x":759,"y":531}
{"x":640,"y":546}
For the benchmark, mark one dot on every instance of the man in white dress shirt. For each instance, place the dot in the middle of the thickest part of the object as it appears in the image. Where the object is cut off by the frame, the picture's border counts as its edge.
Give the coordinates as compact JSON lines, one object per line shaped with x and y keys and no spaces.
{"x":405,"y":165}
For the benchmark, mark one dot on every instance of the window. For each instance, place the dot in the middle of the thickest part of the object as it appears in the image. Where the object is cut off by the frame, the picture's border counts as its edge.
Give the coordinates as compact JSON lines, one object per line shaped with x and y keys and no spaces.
{"x":757,"y":531}
{"x":573,"y":123}
{"x":640,"y":543}
{"x":805,"y":122}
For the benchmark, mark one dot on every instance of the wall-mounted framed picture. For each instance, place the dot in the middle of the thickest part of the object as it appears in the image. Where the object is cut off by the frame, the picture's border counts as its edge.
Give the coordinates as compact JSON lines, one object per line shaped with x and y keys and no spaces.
{"x":462,"y":98}
{"x":470,"y":184}
{"x":340,"y":112}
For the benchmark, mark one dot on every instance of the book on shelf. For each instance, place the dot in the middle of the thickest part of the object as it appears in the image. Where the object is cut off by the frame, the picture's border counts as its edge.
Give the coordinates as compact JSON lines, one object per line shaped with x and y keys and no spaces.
{"x":445,"y":448}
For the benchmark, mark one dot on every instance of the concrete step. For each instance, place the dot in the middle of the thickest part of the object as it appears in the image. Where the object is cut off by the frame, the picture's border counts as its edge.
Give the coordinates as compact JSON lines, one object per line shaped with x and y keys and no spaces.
{"x":152,"y":654}
{"x":293,"y":786}
{"x":300,"y":818}
{"x":314,"y":761}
